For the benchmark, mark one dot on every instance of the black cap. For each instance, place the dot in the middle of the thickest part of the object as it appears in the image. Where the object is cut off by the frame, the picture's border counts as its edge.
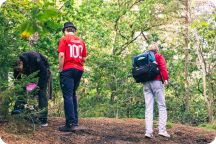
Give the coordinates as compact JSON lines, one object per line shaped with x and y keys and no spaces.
{"x":67,"y":25}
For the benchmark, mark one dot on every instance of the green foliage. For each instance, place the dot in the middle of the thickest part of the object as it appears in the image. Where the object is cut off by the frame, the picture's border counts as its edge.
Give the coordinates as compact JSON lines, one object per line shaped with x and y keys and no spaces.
{"x":169,"y":125}
{"x":18,"y":125}
{"x":208,"y":126}
{"x":14,"y":92}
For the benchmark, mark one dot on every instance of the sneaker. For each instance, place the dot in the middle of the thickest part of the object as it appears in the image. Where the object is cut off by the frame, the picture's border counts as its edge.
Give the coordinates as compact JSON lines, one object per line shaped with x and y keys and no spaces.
{"x":16,"y":111}
{"x":44,"y":125}
{"x":164,"y":134}
{"x":149,"y":135}
{"x":67,"y":128}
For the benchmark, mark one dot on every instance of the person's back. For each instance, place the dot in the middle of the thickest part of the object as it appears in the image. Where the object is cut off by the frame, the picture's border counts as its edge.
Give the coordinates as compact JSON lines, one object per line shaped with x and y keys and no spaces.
{"x":145,"y":67}
{"x":32,"y":62}
{"x":74,"y":49}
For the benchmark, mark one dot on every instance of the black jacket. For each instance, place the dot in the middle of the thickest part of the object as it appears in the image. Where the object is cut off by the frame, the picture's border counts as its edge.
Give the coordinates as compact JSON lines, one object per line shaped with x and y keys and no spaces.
{"x":32,"y":62}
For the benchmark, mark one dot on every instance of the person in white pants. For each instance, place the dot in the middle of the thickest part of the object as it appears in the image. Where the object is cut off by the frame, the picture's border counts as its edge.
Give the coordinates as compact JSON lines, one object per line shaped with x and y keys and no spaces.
{"x":155,"y":90}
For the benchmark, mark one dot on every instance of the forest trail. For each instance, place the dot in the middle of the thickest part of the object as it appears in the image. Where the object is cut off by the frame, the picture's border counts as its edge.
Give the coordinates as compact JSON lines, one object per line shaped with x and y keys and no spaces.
{"x":105,"y":130}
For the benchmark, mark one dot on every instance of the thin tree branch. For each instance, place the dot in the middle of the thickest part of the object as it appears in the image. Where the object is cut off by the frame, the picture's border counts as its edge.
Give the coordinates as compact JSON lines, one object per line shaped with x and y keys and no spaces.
{"x":127,"y":44}
{"x":144,"y":35}
{"x":198,"y":87}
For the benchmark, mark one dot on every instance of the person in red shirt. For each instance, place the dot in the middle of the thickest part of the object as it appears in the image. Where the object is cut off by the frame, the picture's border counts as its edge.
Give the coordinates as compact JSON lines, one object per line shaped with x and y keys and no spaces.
{"x":72,"y":55}
{"x":152,"y":89}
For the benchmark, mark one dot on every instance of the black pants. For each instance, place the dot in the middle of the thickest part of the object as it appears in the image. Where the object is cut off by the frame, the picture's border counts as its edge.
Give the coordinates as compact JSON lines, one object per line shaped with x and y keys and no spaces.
{"x":69,"y":81}
{"x":42,"y":97}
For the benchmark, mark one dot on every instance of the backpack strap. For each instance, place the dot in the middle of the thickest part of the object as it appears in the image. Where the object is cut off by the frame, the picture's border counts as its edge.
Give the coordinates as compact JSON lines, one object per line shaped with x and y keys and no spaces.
{"x":161,"y":78}
{"x":133,"y":62}
{"x":152,"y":57}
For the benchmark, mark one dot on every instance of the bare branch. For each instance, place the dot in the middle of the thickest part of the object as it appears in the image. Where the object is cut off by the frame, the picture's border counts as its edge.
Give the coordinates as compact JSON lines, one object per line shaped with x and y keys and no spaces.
{"x":144,"y":35}
{"x":117,"y":23}
{"x":127,"y":44}
{"x":198,"y":87}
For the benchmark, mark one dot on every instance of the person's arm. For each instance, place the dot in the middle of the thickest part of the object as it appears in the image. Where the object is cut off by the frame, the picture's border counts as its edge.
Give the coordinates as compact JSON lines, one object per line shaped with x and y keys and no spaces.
{"x":84,"y":59}
{"x":163,"y":69}
{"x":61,"y":58}
{"x":84,"y":54}
{"x":17,"y":74}
{"x":61,"y":53}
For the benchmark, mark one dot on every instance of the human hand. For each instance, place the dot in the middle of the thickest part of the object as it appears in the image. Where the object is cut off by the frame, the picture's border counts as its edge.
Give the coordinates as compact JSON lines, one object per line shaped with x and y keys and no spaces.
{"x":166,"y":83}
{"x":60,"y":69}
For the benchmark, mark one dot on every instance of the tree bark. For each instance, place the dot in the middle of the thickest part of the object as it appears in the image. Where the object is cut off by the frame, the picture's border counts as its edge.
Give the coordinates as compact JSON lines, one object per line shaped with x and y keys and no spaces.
{"x":208,"y":99}
{"x":186,"y":53}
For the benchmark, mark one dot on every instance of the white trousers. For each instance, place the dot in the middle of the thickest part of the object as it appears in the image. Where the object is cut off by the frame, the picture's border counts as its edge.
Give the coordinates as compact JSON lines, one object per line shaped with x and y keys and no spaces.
{"x":155,"y":89}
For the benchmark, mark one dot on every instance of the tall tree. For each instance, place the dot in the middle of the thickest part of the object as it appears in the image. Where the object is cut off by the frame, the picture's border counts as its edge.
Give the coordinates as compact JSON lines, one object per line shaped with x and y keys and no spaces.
{"x":186,"y":52}
{"x":205,"y":49}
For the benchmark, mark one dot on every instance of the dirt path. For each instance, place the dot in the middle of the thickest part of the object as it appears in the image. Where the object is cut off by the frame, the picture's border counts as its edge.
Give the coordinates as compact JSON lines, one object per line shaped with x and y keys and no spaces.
{"x":106,"y":130}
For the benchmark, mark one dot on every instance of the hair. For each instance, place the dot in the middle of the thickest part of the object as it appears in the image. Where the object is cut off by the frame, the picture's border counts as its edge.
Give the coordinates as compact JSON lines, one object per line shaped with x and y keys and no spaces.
{"x":153,"y":46}
{"x":70,"y":29}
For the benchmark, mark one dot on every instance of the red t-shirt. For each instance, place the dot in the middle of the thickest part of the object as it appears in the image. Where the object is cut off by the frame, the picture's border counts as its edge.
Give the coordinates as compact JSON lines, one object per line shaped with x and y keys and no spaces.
{"x":74,"y":49}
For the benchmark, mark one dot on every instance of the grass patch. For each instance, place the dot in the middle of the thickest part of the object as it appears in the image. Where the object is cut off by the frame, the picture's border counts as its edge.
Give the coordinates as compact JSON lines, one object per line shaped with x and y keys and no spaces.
{"x":208,"y":126}
{"x":169,"y":125}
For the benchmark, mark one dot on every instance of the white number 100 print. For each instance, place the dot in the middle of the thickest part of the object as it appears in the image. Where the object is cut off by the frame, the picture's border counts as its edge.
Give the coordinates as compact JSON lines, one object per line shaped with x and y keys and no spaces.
{"x":75,"y":50}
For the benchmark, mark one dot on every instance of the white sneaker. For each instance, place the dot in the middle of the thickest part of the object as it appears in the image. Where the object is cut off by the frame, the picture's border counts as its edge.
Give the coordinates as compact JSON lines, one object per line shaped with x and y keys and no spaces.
{"x":214,"y":141}
{"x":164,"y":134}
{"x":149,"y":135}
{"x":44,"y":125}
{"x":1,"y":141}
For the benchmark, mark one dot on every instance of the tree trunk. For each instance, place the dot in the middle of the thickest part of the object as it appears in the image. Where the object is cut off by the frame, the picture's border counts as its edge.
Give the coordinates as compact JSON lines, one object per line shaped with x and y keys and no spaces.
{"x":113,"y":85}
{"x":208,"y":99}
{"x":186,"y":53}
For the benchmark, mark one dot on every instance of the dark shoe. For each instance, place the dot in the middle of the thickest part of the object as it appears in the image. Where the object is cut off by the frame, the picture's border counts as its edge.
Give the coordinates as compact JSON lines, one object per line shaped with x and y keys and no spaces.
{"x":67,"y":128}
{"x":16,"y":111}
{"x":43,"y":120}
